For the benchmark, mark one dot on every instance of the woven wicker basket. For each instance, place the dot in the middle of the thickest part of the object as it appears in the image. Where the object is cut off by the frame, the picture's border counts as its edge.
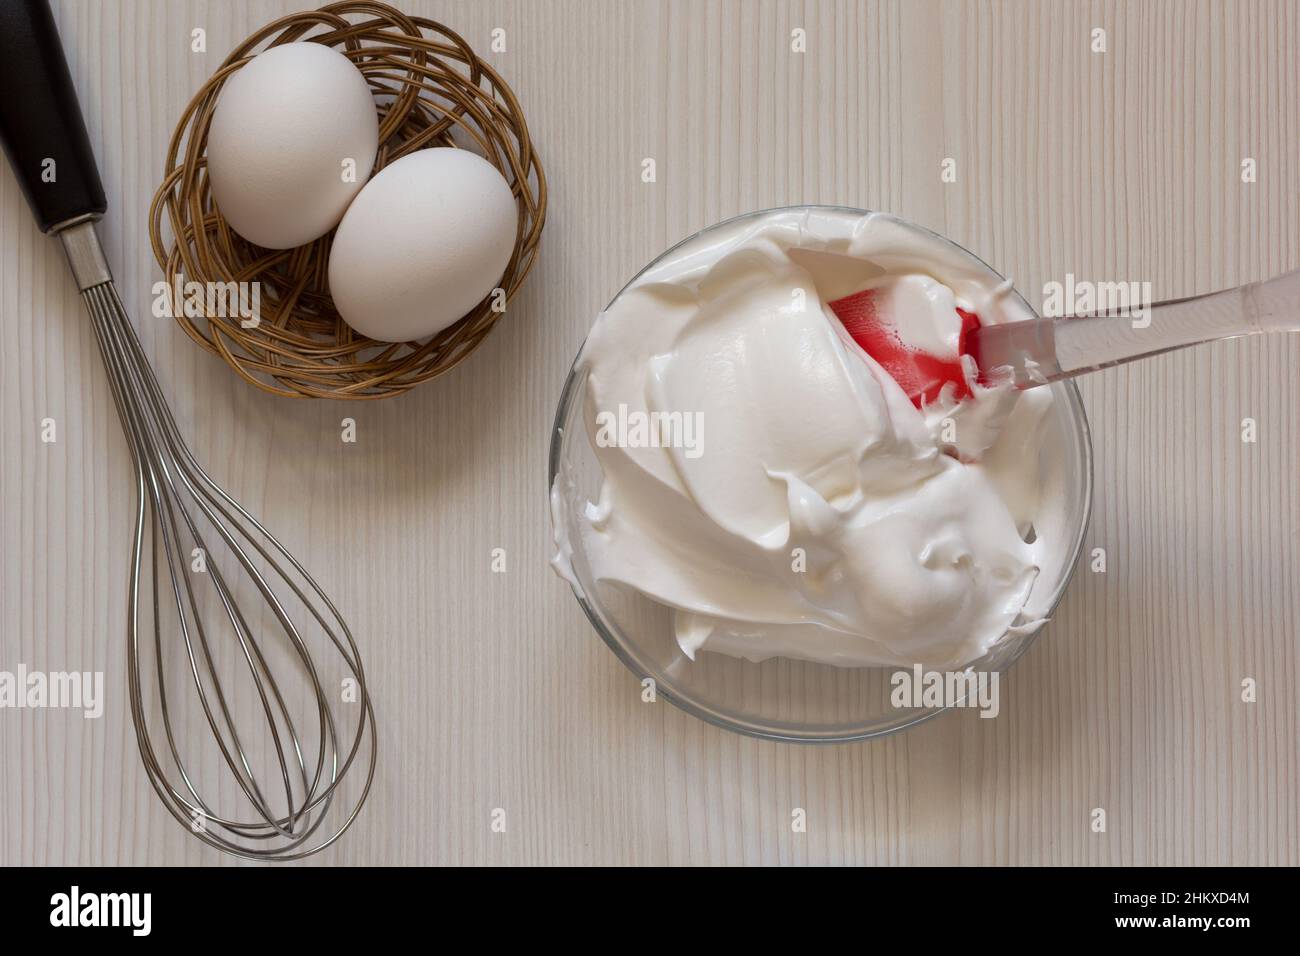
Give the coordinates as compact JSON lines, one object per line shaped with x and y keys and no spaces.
{"x":435,"y":85}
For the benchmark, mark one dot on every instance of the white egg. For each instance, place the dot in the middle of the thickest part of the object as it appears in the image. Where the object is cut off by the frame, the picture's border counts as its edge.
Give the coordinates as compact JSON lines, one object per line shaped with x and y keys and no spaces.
{"x":291,"y":143}
{"x":426,"y":240}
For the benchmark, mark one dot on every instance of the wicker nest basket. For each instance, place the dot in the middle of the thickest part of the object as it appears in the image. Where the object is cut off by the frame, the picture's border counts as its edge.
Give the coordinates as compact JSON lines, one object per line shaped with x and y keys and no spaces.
{"x":301,"y":348}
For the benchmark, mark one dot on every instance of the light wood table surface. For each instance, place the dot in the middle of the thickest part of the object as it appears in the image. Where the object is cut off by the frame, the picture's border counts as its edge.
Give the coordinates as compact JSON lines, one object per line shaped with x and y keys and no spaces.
{"x":494,"y":691}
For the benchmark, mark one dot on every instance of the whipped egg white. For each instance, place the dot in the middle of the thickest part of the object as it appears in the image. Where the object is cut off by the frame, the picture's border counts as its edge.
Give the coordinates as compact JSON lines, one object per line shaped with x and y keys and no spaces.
{"x":818,"y":515}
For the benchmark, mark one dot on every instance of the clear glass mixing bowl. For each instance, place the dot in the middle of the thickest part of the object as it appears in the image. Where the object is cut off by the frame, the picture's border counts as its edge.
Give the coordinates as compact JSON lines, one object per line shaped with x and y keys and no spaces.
{"x":782,"y":699}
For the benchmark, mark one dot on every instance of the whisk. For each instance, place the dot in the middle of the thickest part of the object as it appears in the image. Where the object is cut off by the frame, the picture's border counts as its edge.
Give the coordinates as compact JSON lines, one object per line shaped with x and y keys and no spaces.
{"x":195,"y":528}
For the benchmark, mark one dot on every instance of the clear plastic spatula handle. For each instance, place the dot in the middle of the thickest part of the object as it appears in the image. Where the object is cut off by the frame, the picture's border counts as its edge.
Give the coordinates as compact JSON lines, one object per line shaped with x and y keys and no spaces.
{"x":1045,"y":350}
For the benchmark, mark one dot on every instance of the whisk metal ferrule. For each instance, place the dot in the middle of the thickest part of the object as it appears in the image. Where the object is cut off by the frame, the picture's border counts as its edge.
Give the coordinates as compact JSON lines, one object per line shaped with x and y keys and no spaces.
{"x":85,"y":254}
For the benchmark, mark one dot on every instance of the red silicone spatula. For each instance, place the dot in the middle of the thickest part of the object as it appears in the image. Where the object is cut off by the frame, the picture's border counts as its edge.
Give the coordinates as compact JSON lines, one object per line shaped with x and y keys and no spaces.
{"x":1040,"y":351}
{"x":921,"y":375}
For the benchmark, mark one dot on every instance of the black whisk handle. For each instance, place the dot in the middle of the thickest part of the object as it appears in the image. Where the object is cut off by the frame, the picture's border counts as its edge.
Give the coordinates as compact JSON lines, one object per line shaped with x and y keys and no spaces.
{"x":41,"y":126}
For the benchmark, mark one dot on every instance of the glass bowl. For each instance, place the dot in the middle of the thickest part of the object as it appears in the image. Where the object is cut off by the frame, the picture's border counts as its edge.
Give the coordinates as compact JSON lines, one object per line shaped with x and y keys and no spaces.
{"x":779,"y":698}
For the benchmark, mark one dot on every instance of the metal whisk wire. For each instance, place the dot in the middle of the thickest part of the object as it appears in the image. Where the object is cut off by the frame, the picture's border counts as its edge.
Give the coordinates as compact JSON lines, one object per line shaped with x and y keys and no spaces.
{"x":173,"y":487}
{"x":41,"y":131}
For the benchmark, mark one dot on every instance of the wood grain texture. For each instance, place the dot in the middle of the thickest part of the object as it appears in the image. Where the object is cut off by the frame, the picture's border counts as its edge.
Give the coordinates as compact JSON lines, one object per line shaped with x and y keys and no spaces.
{"x":493,"y":690}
